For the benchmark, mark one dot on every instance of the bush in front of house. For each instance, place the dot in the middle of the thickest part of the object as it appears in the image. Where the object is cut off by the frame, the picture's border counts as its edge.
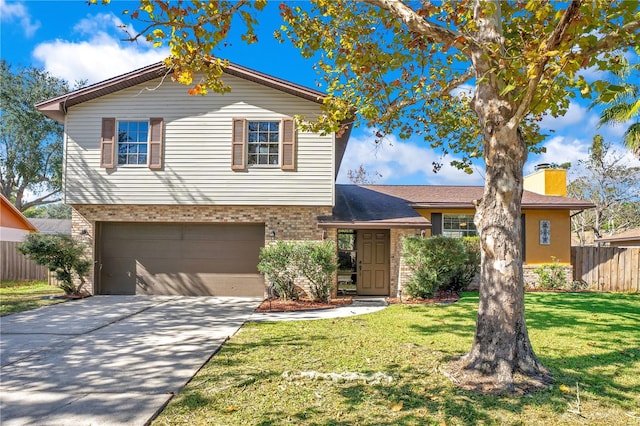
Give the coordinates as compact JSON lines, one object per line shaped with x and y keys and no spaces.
{"x":277,"y":264}
{"x":551,"y":276}
{"x":62,"y":254}
{"x":471,"y":268}
{"x":316,"y":261}
{"x":286,"y":262}
{"x":440,"y":263}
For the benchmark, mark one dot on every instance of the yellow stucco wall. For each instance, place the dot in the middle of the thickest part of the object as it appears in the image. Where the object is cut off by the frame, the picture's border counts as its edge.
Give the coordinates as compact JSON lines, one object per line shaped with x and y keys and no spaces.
{"x":547,"y":182}
{"x":535,"y":253}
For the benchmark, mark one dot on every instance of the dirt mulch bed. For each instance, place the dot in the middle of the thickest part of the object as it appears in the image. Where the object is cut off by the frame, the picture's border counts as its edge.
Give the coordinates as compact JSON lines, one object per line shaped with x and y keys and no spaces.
{"x":442,"y":297}
{"x":278,"y":305}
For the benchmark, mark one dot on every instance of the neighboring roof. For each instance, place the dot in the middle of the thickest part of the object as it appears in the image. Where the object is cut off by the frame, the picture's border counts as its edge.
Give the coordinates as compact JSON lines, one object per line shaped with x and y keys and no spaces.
{"x":433,"y":196}
{"x":629,"y":235}
{"x":52,"y":226}
{"x":361,"y":207}
{"x":10,"y":215}
{"x":56,"y":107}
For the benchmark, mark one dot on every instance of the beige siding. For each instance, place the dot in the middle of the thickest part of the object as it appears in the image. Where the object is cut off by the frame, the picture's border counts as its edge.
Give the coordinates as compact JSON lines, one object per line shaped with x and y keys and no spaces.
{"x":197,"y":150}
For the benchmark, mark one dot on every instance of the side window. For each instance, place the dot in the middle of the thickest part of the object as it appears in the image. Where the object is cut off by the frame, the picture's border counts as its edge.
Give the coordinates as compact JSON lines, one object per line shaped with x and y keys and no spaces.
{"x":258,"y":143}
{"x":263,"y":143}
{"x":133,"y":142}
{"x":125,"y":143}
{"x":458,"y":225}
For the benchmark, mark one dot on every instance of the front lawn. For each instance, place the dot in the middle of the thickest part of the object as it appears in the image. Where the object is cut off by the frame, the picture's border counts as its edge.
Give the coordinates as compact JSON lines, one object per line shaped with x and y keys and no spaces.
{"x":589,"y":340}
{"x":18,"y":296}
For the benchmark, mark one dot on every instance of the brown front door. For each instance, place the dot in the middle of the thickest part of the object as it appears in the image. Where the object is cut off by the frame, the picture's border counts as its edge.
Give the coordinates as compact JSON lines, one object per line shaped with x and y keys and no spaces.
{"x":373,"y":262}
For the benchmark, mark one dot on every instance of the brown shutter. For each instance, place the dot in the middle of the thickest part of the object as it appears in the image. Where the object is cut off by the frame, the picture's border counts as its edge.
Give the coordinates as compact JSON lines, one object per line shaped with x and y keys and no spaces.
{"x":155,"y":143}
{"x":108,"y":143}
{"x":288,"y":161}
{"x":238,"y":143}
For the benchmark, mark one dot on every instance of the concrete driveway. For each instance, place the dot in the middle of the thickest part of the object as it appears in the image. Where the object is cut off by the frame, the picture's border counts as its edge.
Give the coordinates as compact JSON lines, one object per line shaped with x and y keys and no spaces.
{"x":108,"y":360}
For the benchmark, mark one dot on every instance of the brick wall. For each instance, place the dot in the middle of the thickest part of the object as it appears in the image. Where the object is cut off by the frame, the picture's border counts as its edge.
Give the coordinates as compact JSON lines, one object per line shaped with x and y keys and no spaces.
{"x":288,"y":222}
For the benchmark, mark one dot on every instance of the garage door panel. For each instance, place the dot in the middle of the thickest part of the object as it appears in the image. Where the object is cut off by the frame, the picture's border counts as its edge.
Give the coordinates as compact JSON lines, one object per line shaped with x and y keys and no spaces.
{"x":201,"y":284}
{"x":188,"y":259}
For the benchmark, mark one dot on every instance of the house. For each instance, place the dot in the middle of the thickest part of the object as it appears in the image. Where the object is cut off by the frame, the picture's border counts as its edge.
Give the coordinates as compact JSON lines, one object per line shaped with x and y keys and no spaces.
{"x":371,"y":221}
{"x":14,"y":226}
{"x":177,"y":194}
{"x":629,"y":238}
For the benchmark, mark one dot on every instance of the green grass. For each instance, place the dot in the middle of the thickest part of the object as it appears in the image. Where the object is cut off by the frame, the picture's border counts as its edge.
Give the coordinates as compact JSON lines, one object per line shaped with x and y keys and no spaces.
{"x":586,"y":338}
{"x":18,"y":296}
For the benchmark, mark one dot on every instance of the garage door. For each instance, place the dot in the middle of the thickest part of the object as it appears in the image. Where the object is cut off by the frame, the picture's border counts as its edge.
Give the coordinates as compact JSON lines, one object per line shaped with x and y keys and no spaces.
{"x":184,"y":259}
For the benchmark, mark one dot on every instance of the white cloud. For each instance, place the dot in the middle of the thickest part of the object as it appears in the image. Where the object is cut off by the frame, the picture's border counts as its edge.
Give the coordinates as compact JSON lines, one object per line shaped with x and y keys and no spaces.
{"x":401,"y":162}
{"x":561,"y":149}
{"x":575,"y":114}
{"x":102,"y":55}
{"x":18,"y":12}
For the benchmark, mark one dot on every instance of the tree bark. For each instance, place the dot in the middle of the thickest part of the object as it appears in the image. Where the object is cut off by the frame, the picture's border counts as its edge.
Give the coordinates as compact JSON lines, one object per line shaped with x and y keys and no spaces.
{"x":501,"y":345}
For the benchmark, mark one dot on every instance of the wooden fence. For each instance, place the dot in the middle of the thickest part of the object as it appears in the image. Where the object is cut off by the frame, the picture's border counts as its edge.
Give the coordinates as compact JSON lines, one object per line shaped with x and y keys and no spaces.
{"x":16,"y":266}
{"x":607,"y":268}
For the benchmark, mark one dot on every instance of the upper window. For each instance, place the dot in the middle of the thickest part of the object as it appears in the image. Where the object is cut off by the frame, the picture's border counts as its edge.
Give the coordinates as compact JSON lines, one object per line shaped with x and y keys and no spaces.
{"x":263,"y":142}
{"x":458,"y":225}
{"x":132,"y":142}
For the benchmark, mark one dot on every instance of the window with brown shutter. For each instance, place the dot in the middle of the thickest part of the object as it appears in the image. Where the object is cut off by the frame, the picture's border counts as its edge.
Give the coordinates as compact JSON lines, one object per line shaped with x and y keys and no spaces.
{"x":155,"y":143}
{"x":107,"y":143}
{"x":238,"y":157}
{"x":288,"y":160}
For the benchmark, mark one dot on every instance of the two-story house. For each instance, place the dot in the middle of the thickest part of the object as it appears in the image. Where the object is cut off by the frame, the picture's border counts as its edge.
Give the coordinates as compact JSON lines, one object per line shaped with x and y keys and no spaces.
{"x":177,"y":194}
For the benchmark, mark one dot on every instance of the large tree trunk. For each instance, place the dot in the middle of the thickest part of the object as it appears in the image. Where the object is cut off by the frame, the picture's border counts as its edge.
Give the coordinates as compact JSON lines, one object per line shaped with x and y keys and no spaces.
{"x":501,"y":345}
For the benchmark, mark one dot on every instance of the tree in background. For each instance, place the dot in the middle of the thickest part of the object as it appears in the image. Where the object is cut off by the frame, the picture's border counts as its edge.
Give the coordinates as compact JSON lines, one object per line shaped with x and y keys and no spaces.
{"x":30,"y":143}
{"x":612,"y":186}
{"x":49,"y":211}
{"x":399,"y":67}
{"x":621,"y":101}
{"x":362,"y":176}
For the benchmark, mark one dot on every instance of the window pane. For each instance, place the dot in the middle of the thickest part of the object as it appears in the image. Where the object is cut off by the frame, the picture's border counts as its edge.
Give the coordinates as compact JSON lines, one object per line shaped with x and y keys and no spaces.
{"x":122,"y":159}
{"x":263,"y":142}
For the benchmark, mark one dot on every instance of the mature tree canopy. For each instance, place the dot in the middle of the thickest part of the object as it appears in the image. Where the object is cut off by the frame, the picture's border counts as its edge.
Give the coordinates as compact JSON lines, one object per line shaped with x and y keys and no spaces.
{"x":30,"y":143}
{"x":398,"y":67}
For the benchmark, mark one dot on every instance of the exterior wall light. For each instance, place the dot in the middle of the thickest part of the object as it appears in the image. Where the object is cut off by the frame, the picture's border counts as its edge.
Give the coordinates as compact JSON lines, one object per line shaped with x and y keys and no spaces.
{"x":272,"y":234}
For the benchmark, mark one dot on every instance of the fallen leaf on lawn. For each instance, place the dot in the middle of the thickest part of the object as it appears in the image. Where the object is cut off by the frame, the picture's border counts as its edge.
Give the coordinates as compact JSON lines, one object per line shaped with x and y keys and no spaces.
{"x":564,"y":389}
{"x":397,"y":406}
{"x":231,"y":409}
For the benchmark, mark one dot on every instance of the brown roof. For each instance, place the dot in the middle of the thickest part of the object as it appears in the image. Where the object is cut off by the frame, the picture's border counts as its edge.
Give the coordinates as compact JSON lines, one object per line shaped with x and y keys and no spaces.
{"x":629,"y":235}
{"x":56,"y":107}
{"x":361,"y":207}
{"x":428,"y":196}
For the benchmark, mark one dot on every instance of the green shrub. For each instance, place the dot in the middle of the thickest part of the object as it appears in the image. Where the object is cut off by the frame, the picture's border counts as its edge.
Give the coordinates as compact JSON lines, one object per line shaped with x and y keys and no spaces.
{"x":437,"y":263}
{"x":285,"y":262}
{"x":471,"y":268}
{"x":551,"y":276}
{"x":276,"y":263}
{"x":316,"y":261}
{"x":62,"y":254}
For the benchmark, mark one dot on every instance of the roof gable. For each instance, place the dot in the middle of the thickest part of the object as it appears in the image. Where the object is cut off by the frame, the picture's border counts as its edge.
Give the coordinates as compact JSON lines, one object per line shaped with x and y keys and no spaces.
{"x":56,"y":108}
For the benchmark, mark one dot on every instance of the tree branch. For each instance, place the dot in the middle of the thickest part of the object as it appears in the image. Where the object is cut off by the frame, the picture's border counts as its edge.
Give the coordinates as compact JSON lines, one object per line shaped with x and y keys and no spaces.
{"x":555,"y":38}
{"x":41,"y":201}
{"x":435,"y":33}
{"x":612,"y":39}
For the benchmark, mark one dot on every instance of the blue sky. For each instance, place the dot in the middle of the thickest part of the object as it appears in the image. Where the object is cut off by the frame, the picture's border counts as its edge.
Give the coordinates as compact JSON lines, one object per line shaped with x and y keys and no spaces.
{"x":76,"y":42}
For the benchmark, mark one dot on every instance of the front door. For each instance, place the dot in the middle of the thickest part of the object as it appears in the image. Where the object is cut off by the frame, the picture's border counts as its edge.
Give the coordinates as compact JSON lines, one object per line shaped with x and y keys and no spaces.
{"x":373,"y":262}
